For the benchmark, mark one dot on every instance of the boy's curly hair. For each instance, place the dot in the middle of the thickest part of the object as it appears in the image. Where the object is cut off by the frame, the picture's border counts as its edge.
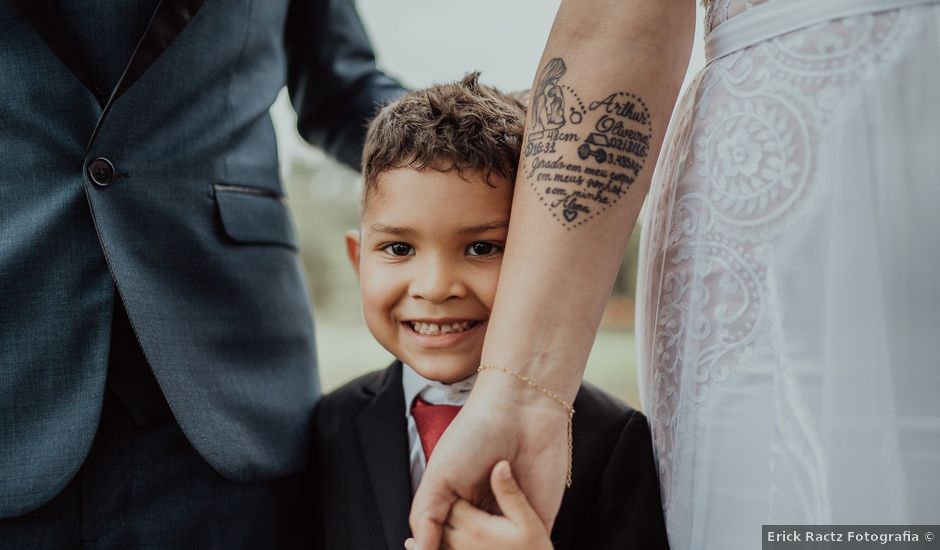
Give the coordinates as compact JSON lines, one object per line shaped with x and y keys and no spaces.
{"x":465,"y":126}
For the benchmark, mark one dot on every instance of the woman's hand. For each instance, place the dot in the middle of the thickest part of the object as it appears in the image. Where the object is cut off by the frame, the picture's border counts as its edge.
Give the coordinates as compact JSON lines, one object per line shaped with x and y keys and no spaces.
{"x":503,"y":420}
{"x":519,"y":528}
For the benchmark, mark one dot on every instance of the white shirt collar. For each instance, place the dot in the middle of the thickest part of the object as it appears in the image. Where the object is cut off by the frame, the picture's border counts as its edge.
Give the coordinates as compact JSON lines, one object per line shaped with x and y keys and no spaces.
{"x":433,"y":392}
{"x":436,"y":393}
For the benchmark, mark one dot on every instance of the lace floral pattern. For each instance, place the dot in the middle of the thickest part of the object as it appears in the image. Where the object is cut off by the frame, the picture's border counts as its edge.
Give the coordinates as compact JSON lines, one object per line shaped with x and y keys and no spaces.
{"x":738,"y":171}
{"x":718,"y":11}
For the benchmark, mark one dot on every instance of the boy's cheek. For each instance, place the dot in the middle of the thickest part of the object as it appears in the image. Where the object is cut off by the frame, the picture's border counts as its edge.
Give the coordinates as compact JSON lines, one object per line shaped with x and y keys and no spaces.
{"x":379,"y":289}
{"x":371,"y":288}
{"x":487,"y":286}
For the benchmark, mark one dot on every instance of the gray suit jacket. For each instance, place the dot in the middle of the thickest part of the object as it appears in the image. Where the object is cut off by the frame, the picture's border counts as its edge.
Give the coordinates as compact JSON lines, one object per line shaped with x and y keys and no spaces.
{"x":164,"y":191}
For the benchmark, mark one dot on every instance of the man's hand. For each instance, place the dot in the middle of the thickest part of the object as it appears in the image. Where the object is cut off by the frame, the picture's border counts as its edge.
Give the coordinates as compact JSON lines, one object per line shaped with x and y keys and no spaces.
{"x":503,"y":420}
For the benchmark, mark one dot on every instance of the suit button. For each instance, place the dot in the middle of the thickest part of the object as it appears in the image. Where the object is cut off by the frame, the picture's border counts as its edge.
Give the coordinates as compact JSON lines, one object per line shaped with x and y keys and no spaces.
{"x":101,"y":172}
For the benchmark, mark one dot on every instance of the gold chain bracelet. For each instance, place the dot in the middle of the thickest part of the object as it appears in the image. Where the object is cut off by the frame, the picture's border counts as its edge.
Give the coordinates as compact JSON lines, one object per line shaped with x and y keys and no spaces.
{"x":567,"y":406}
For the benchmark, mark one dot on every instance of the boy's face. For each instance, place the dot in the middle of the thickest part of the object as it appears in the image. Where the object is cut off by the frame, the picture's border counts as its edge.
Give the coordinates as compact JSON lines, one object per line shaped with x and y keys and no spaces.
{"x":428,"y":255}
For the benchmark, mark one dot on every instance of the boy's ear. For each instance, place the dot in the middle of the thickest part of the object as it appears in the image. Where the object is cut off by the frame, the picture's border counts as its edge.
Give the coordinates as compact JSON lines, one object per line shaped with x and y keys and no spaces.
{"x":352,"y":249}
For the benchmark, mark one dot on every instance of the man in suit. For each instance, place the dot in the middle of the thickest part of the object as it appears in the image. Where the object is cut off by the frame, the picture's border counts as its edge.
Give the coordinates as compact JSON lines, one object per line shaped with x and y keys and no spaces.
{"x":156,"y":342}
{"x":439,"y":166}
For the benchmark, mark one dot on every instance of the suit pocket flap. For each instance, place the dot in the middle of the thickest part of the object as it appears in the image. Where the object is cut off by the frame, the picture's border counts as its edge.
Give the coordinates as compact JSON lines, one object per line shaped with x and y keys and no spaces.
{"x":252,"y":215}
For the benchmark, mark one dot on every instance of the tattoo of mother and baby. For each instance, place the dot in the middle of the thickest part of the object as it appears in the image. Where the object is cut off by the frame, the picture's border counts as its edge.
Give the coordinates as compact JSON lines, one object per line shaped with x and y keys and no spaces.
{"x":613,"y":135}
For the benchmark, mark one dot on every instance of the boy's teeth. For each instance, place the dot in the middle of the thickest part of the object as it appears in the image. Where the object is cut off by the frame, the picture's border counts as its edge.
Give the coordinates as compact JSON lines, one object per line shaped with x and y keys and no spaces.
{"x":434,"y":328}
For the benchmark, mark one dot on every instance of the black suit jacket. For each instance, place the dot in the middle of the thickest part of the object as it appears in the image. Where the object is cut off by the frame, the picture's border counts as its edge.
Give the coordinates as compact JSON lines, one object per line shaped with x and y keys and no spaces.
{"x":359,"y":489}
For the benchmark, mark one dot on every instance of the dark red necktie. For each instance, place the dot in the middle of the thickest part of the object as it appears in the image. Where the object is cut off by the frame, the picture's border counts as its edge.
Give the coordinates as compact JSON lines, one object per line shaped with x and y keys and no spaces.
{"x":431,"y":421}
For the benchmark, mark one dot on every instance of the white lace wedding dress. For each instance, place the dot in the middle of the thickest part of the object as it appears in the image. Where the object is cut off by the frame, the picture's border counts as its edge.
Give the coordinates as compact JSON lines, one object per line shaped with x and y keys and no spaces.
{"x":789,"y":293}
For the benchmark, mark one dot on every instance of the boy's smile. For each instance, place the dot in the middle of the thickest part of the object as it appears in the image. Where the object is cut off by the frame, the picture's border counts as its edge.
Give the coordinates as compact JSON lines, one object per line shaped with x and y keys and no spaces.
{"x":441,"y":332}
{"x":428,"y":257}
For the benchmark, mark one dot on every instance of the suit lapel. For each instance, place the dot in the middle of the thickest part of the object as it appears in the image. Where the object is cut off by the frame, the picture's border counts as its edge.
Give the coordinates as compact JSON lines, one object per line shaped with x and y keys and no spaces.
{"x":168,"y":20}
{"x":45,"y":18}
{"x":382,"y":431}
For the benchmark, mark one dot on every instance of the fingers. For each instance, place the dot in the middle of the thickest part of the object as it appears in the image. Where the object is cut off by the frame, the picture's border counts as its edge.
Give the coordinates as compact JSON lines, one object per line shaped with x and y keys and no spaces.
{"x":426,"y":529}
{"x":467,"y":527}
{"x":543,"y":482}
{"x":429,"y":510}
{"x":451,"y":538}
{"x":512,"y":501}
{"x":463,"y":513}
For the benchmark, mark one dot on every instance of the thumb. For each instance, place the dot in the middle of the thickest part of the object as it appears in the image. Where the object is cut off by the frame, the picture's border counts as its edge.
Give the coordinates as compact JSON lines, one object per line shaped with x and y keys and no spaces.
{"x":512,"y":501}
{"x":429,"y":511}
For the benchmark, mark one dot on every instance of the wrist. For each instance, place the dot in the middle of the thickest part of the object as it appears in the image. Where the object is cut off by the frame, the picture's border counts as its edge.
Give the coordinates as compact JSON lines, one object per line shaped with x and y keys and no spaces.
{"x":520,"y":377}
{"x":512,"y":390}
{"x":556,"y":361}
{"x":560,"y":404}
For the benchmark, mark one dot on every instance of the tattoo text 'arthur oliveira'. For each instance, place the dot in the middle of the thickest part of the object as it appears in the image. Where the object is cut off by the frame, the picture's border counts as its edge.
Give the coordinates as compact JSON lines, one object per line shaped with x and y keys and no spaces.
{"x":613,"y":135}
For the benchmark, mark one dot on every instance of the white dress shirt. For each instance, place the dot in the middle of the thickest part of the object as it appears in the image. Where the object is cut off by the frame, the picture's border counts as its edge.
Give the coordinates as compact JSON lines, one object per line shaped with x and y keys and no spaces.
{"x":435,"y":393}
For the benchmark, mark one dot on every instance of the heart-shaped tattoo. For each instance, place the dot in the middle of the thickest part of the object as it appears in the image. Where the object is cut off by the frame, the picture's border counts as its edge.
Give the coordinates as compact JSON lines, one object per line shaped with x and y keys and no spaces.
{"x":580,"y":159}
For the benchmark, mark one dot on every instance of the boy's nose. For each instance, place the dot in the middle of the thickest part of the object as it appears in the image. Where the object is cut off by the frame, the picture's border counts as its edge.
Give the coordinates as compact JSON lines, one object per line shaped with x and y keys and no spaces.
{"x":438,"y":282}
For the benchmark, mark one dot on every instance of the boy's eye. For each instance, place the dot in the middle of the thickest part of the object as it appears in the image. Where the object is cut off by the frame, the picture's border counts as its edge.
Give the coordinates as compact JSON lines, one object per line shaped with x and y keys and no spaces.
{"x":482,"y":249}
{"x":399,"y":249}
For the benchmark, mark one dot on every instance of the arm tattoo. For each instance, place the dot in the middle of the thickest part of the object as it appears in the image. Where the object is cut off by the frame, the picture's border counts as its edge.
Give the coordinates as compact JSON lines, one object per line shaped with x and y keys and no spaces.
{"x":613,"y":133}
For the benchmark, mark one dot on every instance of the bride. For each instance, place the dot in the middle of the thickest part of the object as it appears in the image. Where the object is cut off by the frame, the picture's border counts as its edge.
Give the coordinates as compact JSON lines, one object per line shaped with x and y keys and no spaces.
{"x":788,"y":313}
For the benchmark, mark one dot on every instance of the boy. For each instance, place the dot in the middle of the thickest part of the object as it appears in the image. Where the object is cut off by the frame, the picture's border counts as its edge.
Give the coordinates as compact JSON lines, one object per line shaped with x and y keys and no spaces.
{"x":439,"y":166}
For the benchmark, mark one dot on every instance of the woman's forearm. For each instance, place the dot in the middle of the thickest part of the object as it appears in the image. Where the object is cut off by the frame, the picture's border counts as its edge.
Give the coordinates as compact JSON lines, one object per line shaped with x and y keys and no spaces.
{"x":598,"y":110}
